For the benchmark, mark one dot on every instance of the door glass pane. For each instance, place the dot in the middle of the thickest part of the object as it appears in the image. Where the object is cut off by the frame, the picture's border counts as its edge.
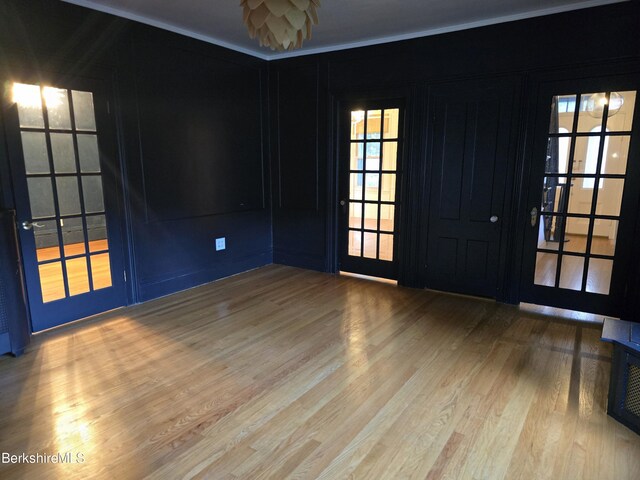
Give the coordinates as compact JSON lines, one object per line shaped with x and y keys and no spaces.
{"x":355,"y":186}
{"x":605,"y":236}
{"x":72,"y":236}
{"x":29,"y":102}
{"x":355,"y":245}
{"x":550,"y":231}
{"x":372,"y":182}
{"x":562,"y":112}
{"x":610,"y":196}
{"x":580,"y":198}
{"x":575,"y":237}
{"x":389,"y":155}
{"x":387,"y":217}
{"x":64,"y":158}
{"x":615,"y":158}
{"x":83,"y":110}
{"x":599,"y":276}
{"x":621,"y":108}
{"x":585,"y":158}
{"x":391,"y":121}
{"x":386,"y":247}
{"x":93,"y":196}
{"x":374,"y":123}
{"x":355,"y":215}
{"x":558,"y":149}
{"x":51,"y":281}
{"x":547,"y":233}
{"x":371,"y":216}
{"x":47,"y":243}
{"x":357,"y":152}
{"x":591,"y":111}
{"x":77,"y":276}
{"x":388,"y":187}
{"x":370,"y":245}
{"x":57,"y":102}
{"x":373,"y":156}
{"x":546,"y":264}
{"x":41,"y":197}
{"x":571,"y":272}
{"x":554,"y":191}
{"x":34,"y":150}
{"x":357,"y":125}
{"x":101,"y":271}
{"x":88,"y":153}
{"x":97,"y":233}
{"x":68,"y":195}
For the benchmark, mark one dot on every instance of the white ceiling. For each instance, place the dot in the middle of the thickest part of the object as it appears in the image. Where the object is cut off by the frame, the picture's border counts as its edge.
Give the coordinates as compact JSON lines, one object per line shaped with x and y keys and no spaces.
{"x":343,"y":23}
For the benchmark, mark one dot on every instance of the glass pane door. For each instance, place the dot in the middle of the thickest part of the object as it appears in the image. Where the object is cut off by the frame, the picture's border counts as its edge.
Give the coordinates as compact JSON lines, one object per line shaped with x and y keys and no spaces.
{"x":372,"y":178}
{"x":584,"y":180}
{"x":64,"y":192}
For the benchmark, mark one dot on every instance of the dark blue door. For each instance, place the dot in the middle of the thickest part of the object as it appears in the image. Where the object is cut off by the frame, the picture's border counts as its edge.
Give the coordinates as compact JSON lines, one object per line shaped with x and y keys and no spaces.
{"x":65,"y":184}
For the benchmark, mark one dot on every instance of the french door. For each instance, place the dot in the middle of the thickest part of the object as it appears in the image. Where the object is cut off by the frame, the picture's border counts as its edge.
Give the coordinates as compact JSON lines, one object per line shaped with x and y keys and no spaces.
{"x":370,"y":170}
{"x":584,"y":196}
{"x":64,"y":177}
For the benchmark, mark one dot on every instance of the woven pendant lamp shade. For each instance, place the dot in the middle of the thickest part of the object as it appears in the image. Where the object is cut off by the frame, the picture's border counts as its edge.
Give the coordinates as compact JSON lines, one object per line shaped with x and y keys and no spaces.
{"x":280,"y":24}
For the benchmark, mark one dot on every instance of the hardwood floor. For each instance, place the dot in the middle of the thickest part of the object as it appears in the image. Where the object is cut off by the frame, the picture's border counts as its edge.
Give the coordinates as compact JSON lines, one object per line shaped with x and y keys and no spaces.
{"x":285,"y":373}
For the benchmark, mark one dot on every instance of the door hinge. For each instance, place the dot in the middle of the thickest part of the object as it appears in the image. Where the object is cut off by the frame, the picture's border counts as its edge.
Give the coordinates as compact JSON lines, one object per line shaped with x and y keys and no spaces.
{"x":124,"y":274}
{"x":108,"y":107}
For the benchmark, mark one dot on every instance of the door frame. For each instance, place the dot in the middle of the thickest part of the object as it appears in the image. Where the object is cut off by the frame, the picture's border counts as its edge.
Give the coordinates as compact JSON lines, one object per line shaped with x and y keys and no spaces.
{"x":102,"y":84}
{"x":619,"y":77}
{"x":340,"y":101}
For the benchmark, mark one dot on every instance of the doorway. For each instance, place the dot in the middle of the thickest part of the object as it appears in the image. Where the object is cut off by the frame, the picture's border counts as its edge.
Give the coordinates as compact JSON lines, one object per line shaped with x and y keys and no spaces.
{"x":65,"y":187}
{"x":584,"y":195}
{"x":370,"y":170}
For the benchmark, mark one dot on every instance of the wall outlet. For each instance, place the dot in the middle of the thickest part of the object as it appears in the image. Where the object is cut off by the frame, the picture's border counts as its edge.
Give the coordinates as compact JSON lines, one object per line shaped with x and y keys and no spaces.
{"x":221,"y":244}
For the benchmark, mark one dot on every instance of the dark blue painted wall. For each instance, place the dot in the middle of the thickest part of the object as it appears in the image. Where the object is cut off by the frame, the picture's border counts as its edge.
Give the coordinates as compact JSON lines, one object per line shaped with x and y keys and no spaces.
{"x":191,"y":123}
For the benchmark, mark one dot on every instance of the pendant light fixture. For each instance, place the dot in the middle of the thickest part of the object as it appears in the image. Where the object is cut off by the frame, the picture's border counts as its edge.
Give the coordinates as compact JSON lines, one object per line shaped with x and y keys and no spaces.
{"x":280,"y":24}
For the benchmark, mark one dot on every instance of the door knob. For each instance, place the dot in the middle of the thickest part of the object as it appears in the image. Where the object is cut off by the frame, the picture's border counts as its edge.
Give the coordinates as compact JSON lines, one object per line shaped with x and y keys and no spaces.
{"x":27,"y":225}
{"x":493,"y":219}
{"x":534,"y":216}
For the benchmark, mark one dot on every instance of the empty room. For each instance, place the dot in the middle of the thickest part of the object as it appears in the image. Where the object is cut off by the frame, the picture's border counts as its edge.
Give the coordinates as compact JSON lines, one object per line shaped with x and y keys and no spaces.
{"x":311,"y":239}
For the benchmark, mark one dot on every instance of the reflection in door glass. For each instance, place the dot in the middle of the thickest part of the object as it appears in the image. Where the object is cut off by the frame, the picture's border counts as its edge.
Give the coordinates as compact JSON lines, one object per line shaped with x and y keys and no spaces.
{"x":47,"y":241}
{"x":51,"y":281}
{"x":101,"y":268}
{"x":546,"y":264}
{"x":34,"y":150}
{"x":29,"y":101}
{"x":599,"y":279}
{"x":57,"y":103}
{"x":581,"y":234}
{"x":64,"y":157}
{"x":72,"y":236}
{"x":78,"y":276}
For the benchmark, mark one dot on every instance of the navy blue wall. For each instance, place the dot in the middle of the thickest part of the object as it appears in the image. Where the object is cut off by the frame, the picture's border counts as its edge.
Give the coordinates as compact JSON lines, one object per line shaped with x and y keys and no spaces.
{"x":191,"y":123}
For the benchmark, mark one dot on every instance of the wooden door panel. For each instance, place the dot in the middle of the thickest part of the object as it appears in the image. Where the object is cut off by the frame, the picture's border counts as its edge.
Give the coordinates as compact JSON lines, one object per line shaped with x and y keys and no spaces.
{"x":471,"y":137}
